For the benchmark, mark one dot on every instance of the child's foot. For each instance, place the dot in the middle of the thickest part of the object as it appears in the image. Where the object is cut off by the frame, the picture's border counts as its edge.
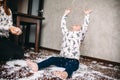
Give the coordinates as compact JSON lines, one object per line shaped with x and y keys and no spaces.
{"x":32,"y":65}
{"x":61,"y":74}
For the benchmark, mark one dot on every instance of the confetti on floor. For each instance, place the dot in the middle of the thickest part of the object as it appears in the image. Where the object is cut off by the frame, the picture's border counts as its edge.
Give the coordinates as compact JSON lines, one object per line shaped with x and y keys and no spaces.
{"x":88,"y":69}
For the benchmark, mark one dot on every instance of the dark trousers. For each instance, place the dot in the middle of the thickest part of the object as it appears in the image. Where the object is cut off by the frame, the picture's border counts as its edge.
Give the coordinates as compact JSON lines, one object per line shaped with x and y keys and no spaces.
{"x":70,"y":65}
{"x":9,"y":50}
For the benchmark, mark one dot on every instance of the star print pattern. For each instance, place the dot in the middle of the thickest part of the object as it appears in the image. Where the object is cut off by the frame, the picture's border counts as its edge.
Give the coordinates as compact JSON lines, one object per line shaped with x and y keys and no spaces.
{"x":5,"y":22}
{"x":72,"y":39}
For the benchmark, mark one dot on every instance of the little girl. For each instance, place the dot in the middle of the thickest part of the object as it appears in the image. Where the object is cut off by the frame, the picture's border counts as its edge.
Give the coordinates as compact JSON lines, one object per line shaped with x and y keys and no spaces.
{"x":70,"y":54}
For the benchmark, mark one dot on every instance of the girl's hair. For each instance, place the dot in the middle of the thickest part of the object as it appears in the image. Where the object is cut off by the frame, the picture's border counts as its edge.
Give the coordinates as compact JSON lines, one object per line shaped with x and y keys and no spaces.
{"x":6,"y":9}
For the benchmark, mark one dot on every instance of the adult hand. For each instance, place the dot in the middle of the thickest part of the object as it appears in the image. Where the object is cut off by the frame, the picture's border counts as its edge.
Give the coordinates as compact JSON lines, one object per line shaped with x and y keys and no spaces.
{"x":15,"y":30}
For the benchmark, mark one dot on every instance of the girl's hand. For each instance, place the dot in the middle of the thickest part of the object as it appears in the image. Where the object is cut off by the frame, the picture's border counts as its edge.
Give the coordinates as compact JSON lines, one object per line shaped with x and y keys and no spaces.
{"x":15,"y":30}
{"x":67,"y":11}
{"x":88,"y":11}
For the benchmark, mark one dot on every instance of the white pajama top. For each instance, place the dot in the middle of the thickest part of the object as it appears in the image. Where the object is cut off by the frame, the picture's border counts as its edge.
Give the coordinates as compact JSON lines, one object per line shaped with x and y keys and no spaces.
{"x":72,"y":39}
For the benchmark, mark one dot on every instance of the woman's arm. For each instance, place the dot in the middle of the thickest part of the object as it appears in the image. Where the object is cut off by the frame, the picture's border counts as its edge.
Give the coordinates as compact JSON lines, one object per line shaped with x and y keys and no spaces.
{"x":10,"y":20}
{"x":14,"y":30}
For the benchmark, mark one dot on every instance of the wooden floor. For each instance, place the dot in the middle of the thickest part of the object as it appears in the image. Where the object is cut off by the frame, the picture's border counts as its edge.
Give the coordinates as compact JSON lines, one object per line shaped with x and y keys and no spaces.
{"x":89,"y":69}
